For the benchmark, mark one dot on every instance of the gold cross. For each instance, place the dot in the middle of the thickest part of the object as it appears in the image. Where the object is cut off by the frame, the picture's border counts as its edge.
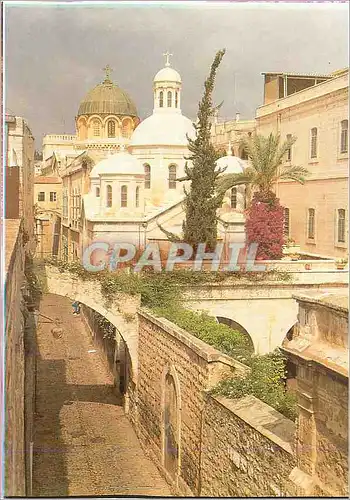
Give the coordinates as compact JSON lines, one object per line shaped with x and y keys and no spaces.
{"x":167,"y":55}
{"x":108,"y":71}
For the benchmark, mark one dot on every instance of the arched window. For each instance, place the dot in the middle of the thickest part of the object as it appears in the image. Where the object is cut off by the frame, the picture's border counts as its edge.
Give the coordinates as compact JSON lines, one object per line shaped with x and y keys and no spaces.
{"x":97,"y":192}
{"x":172,"y":176}
{"x":124,"y":196}
{"x":137,"y":197}
{"x":161,"y":99}
{"x":176,"y":99}
{"x":111,"y":128}
{"x":234,"y":197}
{"x":170,"y":98}
{"x":147,"y":176}
{"x":96,"y":128}
{"x":109,"y":196}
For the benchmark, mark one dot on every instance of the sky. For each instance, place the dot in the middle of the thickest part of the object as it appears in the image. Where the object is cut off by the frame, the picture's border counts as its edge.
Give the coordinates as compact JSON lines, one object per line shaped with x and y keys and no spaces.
{"x":54,"y":54}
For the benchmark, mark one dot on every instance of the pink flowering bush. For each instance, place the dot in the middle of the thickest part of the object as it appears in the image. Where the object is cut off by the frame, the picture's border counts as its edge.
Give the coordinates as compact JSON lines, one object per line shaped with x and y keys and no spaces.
{"x":265,"y":226}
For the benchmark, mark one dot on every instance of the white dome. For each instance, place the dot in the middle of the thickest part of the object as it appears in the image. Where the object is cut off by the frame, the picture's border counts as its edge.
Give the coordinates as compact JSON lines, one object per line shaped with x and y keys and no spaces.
{"x":163,"y":130}
{"x":234,"y":164}
{"x":167,"y":74}
{"x":119,"y":163}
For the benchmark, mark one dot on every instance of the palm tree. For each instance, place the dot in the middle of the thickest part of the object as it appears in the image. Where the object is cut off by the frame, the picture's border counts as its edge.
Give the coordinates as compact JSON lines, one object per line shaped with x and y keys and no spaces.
{"x":266,"y":156}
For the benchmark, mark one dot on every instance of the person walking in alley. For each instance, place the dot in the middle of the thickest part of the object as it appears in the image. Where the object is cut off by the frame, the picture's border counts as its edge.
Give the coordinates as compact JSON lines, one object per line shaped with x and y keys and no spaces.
{"x":76,"y":307}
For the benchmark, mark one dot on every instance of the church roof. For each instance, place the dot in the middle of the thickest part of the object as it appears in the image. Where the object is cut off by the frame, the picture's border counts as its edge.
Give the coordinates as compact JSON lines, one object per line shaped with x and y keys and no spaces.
{"x":118,"y":163}
{"x":163,"y":130}
{"x":107,"y":98}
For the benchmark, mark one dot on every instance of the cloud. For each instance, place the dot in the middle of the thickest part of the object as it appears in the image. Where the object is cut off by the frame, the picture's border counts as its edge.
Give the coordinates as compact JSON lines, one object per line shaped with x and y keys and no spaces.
{"x":55,"y":54}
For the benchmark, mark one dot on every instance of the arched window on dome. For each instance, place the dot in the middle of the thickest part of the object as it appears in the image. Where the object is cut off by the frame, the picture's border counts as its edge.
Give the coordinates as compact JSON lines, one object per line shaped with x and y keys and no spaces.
{"x":127,"y":126}
{"x":124,"y":196}
{"x":96,"y":128}
{"x":97,"y":192}
{"x":172,"y":176}
{"x":109,"y":196}
{"x":161,"y":99}
{"x":234,"y":197}
{"x":176,"y":99}
{"x":137,"y":197}
{"x":170,"y":99}
{"x":147,"y":176}
{"x":111,"y":128}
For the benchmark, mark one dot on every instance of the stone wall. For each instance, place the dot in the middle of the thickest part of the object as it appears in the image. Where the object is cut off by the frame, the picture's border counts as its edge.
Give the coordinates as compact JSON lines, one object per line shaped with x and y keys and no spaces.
{"x":319,"y":351}
{"x":246,"y":449}
{"x":176,"y":371}
{"x":14,"y":361}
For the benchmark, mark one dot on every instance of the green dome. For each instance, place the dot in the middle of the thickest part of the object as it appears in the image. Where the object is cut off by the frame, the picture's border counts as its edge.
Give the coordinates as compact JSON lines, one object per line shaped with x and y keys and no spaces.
{"x":107,"y":98}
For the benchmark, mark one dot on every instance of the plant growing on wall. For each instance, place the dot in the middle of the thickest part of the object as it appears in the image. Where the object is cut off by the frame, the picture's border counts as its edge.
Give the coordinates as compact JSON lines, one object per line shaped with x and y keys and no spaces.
{"x":264,"y":223}
{"x":202,"y":202}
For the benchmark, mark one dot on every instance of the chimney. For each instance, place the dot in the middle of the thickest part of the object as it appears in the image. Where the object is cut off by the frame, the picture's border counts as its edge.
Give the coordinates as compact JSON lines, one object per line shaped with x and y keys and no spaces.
{"x":237,"y":116}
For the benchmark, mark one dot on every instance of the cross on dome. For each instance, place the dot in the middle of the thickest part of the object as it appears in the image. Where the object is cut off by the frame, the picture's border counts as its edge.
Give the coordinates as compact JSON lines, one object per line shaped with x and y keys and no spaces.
{"x":108,"y":71}
{"x":229,"y":149}
{"x":167,"y":55}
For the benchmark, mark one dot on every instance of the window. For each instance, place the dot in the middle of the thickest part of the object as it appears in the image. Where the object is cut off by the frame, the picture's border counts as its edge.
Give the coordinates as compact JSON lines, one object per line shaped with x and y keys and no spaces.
{"x":172,"y":177}
{"x":65,"y":203}
{"x":169,"y":100}
{"x":341,"y":225}
{"x":111,"y":128}
{"x":311,"y":224}
{"x":234,"y":197}
{"x":137,"y":197}
{"x":344,"y":136}
{"x":109,"y":196}
{"x":286,"y":229}
{"x":97,"y":192}
{"x":124,"y":196}
{"x":41,"y":196}
{"x":96,"y":128}
{"x":289,"y":151}
{"x":161,"y":98}
{"x":313,"y":150}
{"x":176,"y":99}
{"x":53,"y":196}
{"x":147,"y":176}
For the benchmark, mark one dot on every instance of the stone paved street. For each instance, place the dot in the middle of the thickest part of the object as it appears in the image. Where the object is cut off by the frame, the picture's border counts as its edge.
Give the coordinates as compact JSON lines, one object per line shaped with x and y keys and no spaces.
{"x":84,"y":444}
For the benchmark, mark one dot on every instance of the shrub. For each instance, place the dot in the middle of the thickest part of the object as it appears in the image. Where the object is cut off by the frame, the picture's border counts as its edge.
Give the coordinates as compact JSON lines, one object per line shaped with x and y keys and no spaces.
{"x":266,"y":381}
{"x":264,"y":226}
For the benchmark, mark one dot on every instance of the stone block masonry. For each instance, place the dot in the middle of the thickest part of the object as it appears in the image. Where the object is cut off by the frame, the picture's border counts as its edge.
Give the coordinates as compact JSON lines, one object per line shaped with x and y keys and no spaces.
{"x":197,"y":440}
{"x":246,"y":449}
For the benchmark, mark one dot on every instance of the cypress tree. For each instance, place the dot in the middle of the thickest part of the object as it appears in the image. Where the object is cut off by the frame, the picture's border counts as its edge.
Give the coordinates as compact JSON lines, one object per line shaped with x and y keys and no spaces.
{"x":202,"y":200}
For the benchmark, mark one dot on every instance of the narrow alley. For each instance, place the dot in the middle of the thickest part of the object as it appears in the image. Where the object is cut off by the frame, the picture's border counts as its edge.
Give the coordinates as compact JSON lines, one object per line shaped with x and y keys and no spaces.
{"x":83,"y":442}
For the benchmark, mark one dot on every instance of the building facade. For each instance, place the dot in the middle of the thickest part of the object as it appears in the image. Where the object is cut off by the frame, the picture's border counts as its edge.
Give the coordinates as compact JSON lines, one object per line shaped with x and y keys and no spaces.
{"x":19,"y":155}
{"x":319,"y":350}
{"x":48,"y":211}
{"x":316,"y":212}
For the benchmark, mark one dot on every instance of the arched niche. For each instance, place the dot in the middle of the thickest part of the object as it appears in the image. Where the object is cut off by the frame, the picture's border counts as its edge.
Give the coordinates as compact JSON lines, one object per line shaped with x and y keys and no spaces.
{"x":171,"y":422}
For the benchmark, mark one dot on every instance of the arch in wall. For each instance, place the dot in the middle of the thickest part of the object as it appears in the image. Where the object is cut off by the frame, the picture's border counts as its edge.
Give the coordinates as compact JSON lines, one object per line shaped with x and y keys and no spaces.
{"x":82,"y":128}
{"x":237,"y":327}
{"x":127,"y":127}
{"x":76,"y":289}
{"x":95,"y":127}
{"x":171,"y":421}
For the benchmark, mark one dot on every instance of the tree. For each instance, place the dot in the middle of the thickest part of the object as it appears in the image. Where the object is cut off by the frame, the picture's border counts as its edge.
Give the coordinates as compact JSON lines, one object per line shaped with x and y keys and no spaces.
{"x":202,"y":200}
{"x":266,"y":156}
{"x":265,"y":215}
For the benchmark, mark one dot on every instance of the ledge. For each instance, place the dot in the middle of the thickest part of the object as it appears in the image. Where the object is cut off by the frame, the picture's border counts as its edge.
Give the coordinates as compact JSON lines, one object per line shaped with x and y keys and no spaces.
{"x":205,"y":351}
{"x":263,"y":418}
